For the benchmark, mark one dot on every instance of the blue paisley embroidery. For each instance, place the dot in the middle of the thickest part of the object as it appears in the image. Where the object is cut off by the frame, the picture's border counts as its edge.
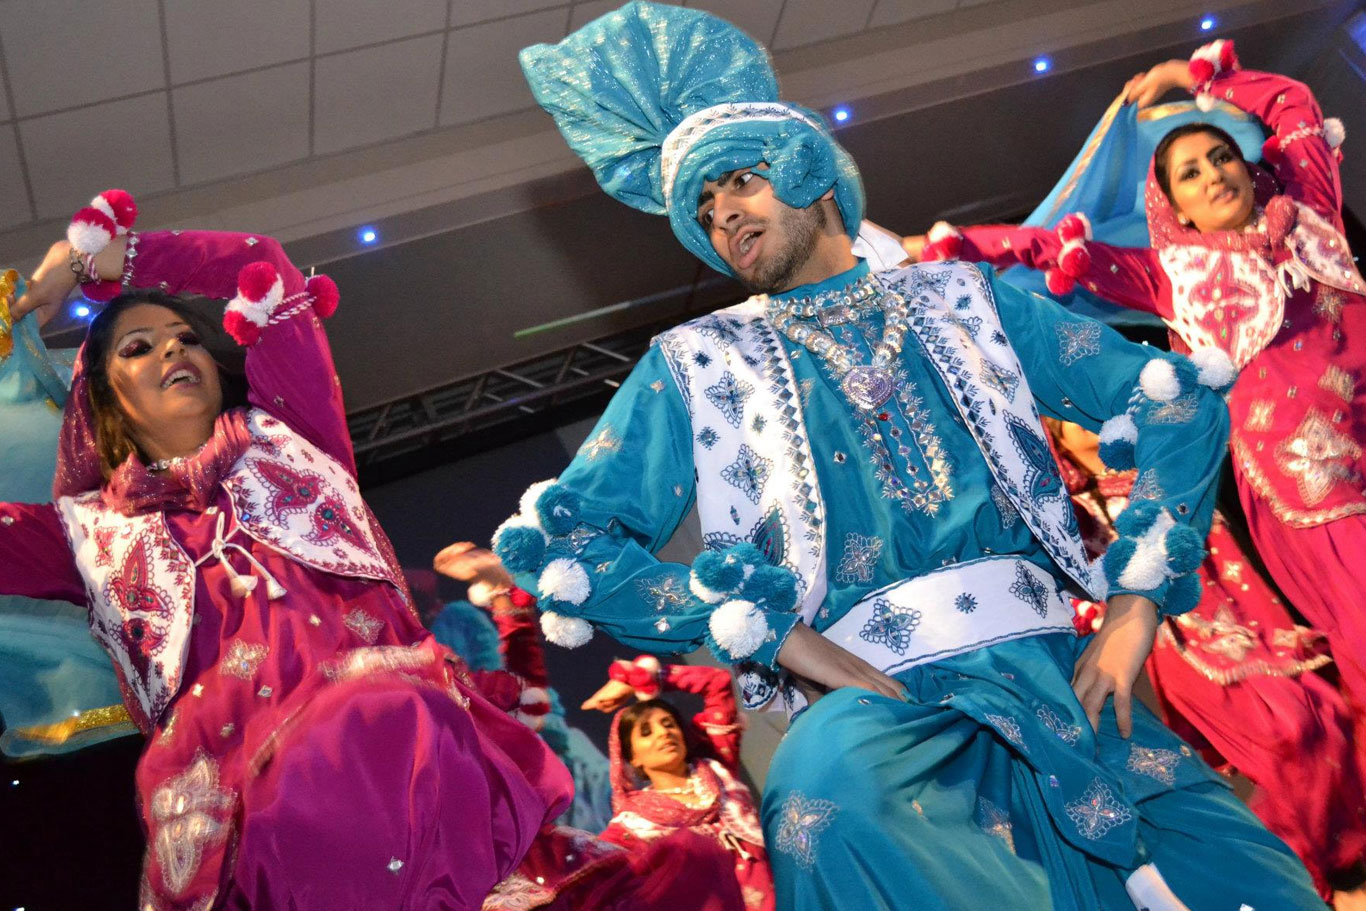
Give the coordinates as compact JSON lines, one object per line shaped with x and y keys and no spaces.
{"x":860,"y":556}
{"x":707,"y":437}
{"x":1155,"y":763}
{"x":890,"y":626}
{"x":1097,"y":812}
{"x":1077,"y":341}
{"x":729,"y":396}
{"x":965,"y":603}
{"x":801,"y":819}
{"x":748,"y":473}
{"x":1042,"y":481}
{"x":1030,"y":590}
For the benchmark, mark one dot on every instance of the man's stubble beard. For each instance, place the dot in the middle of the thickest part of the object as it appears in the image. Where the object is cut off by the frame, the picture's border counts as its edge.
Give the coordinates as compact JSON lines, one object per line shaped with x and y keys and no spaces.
{"x":803,"y":229}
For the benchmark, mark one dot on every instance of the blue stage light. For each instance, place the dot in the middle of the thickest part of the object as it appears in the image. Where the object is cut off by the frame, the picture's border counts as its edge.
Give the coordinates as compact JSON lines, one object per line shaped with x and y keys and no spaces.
{"x":842,"y":114}
{"x":1207,"y":23}
{"x":81,"y":311}
{"x":368,"y":235}
{"x":1042,"y":64}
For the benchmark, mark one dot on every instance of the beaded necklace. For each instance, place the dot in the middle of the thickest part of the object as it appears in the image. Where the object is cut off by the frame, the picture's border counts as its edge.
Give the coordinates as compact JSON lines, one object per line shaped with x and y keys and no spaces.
{"x":866,"y":386}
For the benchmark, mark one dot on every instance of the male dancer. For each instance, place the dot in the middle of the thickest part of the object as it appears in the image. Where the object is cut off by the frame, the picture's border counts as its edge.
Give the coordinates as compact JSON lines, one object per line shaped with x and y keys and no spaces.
{"x":886,"y":523}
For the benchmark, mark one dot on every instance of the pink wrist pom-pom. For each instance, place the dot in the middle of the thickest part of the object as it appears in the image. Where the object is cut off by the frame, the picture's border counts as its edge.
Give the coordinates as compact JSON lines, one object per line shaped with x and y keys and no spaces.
{"x":1075,"y":259}
{"x":1228,"y":57}
{"x":90,"y":231}
{"x":1074,"y":226}
{"x":256,"y":280}
{"x":1201,"y":71}
{"x":1271,"y":151}
{"x":122,"y":207}
{"x":325,"y":295}
{"x":243,"y":331}
{"x":1059,"y":282}
{"x":619,"y":671}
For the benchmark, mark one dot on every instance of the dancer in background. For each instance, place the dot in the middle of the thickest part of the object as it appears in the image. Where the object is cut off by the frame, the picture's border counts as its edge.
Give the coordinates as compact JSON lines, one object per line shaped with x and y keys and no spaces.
{"x":884,"y":521}
{"x":57,"y":690}
{"x":1253,"y":264}
{"x":668,"y":775}
{"x":1237,"y":676}
{"x":305,"y":734}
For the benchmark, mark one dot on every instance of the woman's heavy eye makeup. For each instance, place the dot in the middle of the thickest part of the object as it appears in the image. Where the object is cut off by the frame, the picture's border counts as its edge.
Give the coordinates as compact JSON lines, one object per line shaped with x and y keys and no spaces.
{"x":141,"y":344}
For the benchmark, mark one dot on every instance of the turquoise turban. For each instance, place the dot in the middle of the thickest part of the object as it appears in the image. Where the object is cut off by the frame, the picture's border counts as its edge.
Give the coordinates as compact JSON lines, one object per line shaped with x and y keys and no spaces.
{"x":659,"y":99}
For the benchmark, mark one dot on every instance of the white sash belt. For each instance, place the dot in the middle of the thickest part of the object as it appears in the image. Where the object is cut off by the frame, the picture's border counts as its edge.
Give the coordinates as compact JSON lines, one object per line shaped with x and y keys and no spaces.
{"x":955,"y":609}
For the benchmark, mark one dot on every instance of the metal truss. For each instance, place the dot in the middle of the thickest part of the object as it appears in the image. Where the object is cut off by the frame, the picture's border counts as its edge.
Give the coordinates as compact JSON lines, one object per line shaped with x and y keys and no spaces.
{"x":474,"y":404}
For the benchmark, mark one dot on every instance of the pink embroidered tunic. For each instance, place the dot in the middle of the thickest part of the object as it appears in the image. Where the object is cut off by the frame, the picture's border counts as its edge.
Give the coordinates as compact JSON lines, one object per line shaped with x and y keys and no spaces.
{"x":1285,"y":301}
{"x":308,"y":744}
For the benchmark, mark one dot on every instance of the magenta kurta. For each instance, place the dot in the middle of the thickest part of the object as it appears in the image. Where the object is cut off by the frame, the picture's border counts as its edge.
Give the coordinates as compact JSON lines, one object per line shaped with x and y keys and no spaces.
{"x":309,"y":744}
{"x":1284,"y":300}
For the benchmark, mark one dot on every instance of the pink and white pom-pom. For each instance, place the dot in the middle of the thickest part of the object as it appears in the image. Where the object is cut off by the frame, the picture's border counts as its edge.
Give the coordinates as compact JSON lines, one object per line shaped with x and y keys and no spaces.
{"x":643,"y":677}
{"x":1209,"y":61}
{"x":260,"y":291}
{"x":942,"y":242}
{"x":532,"y":707}
{"x":1074,"y":230}
{"x":110,"y":214}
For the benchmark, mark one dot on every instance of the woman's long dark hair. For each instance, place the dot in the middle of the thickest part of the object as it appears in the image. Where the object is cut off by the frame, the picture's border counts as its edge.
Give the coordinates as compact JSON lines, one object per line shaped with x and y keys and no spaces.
{"x":112,"y":437}
{"x":627,"y":723}
{"x":1164,"y":149}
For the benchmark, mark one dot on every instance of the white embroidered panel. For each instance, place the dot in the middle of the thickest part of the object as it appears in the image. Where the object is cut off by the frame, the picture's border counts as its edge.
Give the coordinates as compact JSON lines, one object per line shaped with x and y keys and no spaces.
{"x":954,"y":316}
{"x":293,"y":497}
{"x":756,"y":478}
{"x":141,"y":589}
{"x":1230,"y":301}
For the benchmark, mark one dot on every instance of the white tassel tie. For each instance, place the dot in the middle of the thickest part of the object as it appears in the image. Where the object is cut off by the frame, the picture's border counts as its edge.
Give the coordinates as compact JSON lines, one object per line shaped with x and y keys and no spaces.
{"x":241,"y":585}
{"x":1293,"y":275}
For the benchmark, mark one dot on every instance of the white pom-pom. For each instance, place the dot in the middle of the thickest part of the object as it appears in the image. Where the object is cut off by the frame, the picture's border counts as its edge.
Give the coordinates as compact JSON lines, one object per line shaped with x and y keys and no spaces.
{"x":565,"y":580}
{"x":1100,"y":583}
{"x":1205,"y":102}
{"x":1120,"y":427}
{"x":1147,"y":568}
{"x":99,"y":202}
{"x":527,"y":506}
{"x":649,"y":663}
{"x":1215,"y":366}
{"x":738,"y":627}
{"x":1334,"y":133}
{"x":1159,"y":381}
{"x":88,"y":238}
{"x":941,"y":230}
{"x":706,"y":594}
{"x":568,"y":632}
{"x":534,"y":695}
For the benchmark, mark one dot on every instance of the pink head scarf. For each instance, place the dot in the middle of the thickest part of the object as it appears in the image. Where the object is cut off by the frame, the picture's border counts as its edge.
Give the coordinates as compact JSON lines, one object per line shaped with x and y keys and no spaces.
{"x":631,"y":794}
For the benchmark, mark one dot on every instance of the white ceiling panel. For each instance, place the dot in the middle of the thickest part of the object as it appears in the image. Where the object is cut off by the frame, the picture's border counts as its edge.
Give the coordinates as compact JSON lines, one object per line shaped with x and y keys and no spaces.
{"x":756,"y":18}
{"x":64,"y":164}
{"x":892,"y":12}
{"x":482,"y":74}
{"x":14,"y":209}
{"x":243,"y":123}
{"x":468,"y":12}
{"x":342,"y":24}
{"x":217,"y":38}
{"x":63,"y":53}
{"x":377,"y":93}
{"x":585,"y":13}
{"x":809,"y":21}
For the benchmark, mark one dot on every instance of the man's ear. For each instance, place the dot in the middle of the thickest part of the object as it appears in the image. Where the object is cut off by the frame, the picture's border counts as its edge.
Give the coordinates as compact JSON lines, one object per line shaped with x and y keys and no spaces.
{"x":828,"y":194}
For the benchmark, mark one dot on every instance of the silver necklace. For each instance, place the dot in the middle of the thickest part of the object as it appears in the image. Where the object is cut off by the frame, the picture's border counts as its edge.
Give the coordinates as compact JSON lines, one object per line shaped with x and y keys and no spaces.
{"x":163,"y":464}
{"x":867,"y":386}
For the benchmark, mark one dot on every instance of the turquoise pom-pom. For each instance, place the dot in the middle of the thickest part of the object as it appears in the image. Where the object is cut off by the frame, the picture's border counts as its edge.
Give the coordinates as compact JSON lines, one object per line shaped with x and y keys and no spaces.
{"x":559,"y":509}
{"x":1117,"y":557}
{"x":468,"y":631}
{"x":746,"y":554}
{"x":1118,"y":454}
{"x":1182,"y":595}
{"x":1186,"y":372}
{"x":521,"y":548}
{"x":772,"y":586}
{"x":1184,"y":550}
{"x":1135,"y":520}
{"x":719,"y":574}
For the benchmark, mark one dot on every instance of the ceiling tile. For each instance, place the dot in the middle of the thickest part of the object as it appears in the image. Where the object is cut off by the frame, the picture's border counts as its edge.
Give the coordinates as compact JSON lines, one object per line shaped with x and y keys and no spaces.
{"x":482,"y":73}
{"x":756,"y":18}
{"x":14,"y":211}
{"x":67,"y":168}
{"x":242,"y":123}
{"x":586,"y":12}
{"x":62,"y":53}
{"x":809,"y":21}
{"x":468,"y":12}
{"x":377,"y":93}
{"x":891,"y":12}
{"x":342,"y":24}
{"x":214,"y":39}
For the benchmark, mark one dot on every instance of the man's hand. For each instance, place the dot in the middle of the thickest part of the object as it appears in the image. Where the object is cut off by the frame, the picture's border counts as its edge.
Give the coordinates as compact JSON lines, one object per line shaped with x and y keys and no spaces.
{"x":1114,"y":659}
{"x":808,"y":654}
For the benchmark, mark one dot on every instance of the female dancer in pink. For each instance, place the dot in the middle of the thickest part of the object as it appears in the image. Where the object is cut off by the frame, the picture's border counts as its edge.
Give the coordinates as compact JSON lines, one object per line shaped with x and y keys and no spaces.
{"x":1253,"y":268}
{"x":1237,"y":677}
{"x":308,"y":744}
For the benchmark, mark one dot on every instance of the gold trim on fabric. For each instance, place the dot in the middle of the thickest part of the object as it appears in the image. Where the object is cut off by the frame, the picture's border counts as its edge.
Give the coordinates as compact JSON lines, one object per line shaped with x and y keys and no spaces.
{"x":1290,"y":515}
{"x":89,"y":720}
{"x":9,"y":281}
{"x":1106,"y":121}
{"x":1160,"y":111}
{"x":1243,"y":670}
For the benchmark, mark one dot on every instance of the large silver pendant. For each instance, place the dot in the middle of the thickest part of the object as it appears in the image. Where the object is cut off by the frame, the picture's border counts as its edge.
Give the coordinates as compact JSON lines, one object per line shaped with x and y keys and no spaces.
{"x":867,"y":386}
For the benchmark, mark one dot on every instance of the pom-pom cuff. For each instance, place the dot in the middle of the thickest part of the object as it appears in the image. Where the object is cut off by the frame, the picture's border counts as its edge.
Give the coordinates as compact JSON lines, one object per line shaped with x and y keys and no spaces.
{"x":565,"y":631}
